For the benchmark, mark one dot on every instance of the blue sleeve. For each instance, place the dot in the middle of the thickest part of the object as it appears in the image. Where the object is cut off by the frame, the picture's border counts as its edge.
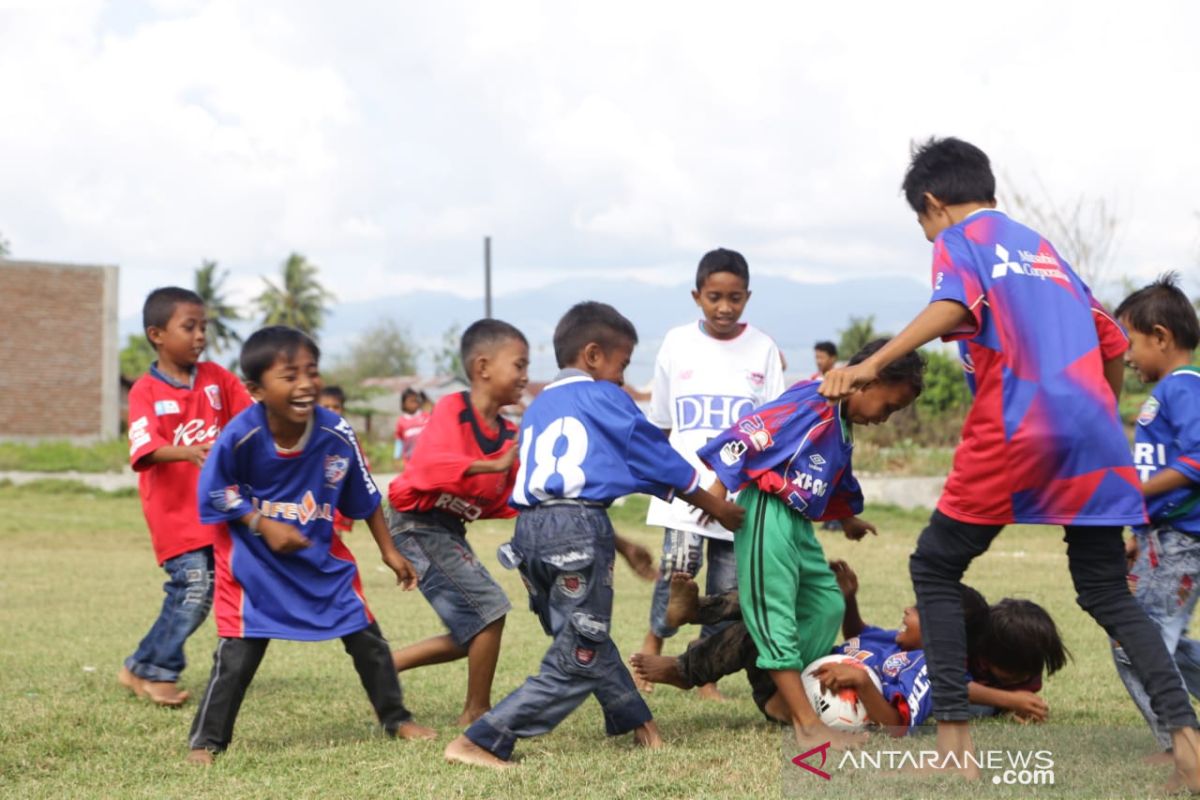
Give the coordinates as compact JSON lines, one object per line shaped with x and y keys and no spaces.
{"x":219,"y":491}
{"x":758,"y":443}
{"x":847,"y":499}
{"x":359,"y":496}
{"x":1183,"y":413}
{"x":652,"y":459}
{"x":911,"y":687}
{"x":955,"y":278}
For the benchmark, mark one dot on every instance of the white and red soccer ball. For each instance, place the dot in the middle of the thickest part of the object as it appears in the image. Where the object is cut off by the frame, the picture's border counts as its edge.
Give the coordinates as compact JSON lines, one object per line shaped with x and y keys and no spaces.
{"x":840,"y":710}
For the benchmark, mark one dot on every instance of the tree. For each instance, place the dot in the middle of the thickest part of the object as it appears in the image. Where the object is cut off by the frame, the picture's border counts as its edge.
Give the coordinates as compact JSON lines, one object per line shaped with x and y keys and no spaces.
{"x":298,"y":300}
{"x":4,"y":247}
{"x":447,"y":359}
{"x":860,"y":331}
{"x":136,"y":356}
{"x":382,"y":350}
{"x":1083,"y":230}
{"x":945,"y":388}
{"x":221,"y":314}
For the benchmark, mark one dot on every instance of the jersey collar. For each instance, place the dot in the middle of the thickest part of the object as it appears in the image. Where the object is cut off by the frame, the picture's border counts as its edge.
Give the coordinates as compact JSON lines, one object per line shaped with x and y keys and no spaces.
{"x":169,"y":381}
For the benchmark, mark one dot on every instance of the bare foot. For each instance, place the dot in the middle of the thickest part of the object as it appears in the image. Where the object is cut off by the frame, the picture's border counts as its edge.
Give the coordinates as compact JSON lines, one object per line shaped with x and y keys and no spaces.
{"x":647,"y":736}
{"x":777,"y":709}
{"x":955,"y":749}
{"x":130,"y":681}
{"x":469,"y":715}
{"x":463,"y":751}
{"x":1185,"y":748}
{"x":199,"y":756}
{"x":411,"y":730}
{"x":651,"y":669}
{"x":683,"y":600}
{"x":163,"y":693}
{"x":709,"y":691}
{"x":1166,"y":757}
{"x":810,"y":736}
{"x":651,"y":646}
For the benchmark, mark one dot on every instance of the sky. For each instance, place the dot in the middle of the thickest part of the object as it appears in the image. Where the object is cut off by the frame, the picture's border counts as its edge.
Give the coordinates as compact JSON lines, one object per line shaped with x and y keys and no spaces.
{"x":383,"y":140}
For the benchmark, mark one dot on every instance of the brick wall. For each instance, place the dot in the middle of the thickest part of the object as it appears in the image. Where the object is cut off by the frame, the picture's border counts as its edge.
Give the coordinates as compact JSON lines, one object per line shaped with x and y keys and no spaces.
{"x":59,"y":374}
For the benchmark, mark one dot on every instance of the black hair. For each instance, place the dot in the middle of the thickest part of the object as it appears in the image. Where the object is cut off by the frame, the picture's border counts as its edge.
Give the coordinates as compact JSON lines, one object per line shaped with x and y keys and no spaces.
{"x":409,"y":392}
{"x":588,"y":322}
{"x":485,"y":333}
{"x":160,"y":306}
{"x":908,"y":368}
{"x":975,"y":616}
{"x":335,"y":392}
{"x":265,"y":345}
{"x":826,"y":347}
{"x":1162,"y":303}
{"x":951,"y":170}
{"x":722,"y":260}
{"x":1022,"y":638}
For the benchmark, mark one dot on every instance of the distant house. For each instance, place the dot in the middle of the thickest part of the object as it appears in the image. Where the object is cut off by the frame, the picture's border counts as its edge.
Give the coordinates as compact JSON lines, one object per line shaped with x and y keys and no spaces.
{"x":59,"y":370}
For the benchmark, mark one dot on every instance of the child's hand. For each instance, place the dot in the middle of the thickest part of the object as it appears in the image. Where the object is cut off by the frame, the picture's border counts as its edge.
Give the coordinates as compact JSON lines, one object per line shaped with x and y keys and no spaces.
{"x":842,"y":382}
{"x":835,"y":677}
{"x":717,"y":490}
{"x":847,"y":580}
{"x":197,"y":453}
{"x":856,"y":528}
{"x":281,"y":537}
{"x":1028,"y":707}
{"x":406,"y":576}
{"x":731,"y":515}
{"x":504,"y":462}
{"x":638,"y":558}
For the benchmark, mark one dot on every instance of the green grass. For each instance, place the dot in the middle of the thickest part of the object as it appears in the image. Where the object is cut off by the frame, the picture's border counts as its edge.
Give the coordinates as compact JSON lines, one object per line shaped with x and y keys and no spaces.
{"x":79,"y":587}
{"x":110,"y":455}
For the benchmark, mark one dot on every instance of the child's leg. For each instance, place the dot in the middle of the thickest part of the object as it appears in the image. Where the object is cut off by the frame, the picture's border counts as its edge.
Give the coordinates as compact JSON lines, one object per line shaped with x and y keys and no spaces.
{"x":159,"y":658}
{"x":681,"y":552}
{"x":373,"y":662}
{"x":721,"y":578}
{"x":234,"y":664}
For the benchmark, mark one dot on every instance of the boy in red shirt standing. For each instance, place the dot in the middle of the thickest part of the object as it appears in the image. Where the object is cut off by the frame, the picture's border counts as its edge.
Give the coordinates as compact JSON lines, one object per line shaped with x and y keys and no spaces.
{"x":176,"y":412}
{"x":463,"y":470}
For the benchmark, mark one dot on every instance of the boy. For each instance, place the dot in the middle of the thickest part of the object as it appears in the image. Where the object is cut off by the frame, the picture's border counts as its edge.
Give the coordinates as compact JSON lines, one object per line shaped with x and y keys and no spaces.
{"x":462,"y":471}
{"x":583,"y":444}
{"x":825,"y":357}
{"x":274,"y":478}
{"x":1163,"y":335}
{"x":409,"y":425}
{"x":176,"y":412}
{"x":791,"y":461}
{"x":707,"y":375}
{"x":333,"y":398}
{"x":1042,"y":442}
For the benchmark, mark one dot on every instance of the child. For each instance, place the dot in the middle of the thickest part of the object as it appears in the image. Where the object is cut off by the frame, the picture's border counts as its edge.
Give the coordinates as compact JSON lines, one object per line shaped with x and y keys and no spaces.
{"x":463,"y":471}
{"x":1019,"y":643}
{"x":333,"y":399}
{"x":706,"y":376}
{"x":1163,"y":335}
{"x":1042,"y":442}
{"x":791,"y":460}
{"x":583,"y":444}
{"x":409,"y":426}
{"x":176,"y":412}
{"x":825,"y":357}
{"x":274,"y":478}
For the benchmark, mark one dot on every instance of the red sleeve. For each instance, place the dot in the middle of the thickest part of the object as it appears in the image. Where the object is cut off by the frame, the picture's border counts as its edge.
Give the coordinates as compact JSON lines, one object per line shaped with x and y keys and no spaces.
{"x":399,"y":428}
{"x":237,"y":397}
{"x":145,"y":436}
{"x":439,"y":460}
{"x":1113,"y":342}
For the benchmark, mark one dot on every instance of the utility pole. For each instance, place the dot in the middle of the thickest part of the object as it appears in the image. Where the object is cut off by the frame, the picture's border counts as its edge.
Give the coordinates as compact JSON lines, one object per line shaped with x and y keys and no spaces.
{"x":487,"y":277}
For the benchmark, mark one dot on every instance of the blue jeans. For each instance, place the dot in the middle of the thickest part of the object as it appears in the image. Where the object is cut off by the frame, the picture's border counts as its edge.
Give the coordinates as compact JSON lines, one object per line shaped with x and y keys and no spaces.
{"x":189,"y":595}
{"x":1164,"y":579}
{"x":684,"y":552}
{"x":565,"y":556}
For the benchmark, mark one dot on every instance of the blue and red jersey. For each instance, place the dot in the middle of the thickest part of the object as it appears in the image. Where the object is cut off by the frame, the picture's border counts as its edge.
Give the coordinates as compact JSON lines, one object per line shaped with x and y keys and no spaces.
{"x":1167,"y":436}
{"x":1042,"y":442}
{"x":902,"y":673}
{"x":311,"y":594}
{"x":797,"y":447}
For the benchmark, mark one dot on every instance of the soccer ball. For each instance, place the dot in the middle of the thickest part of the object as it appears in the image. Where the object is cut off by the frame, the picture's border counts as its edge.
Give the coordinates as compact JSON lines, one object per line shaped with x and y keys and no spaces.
{"x":840,"y":710}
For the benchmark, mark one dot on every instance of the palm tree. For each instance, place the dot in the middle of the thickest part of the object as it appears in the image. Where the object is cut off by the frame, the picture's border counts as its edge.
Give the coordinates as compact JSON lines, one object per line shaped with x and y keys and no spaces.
{"x":300,"y":300}
{"x":221,"y":314}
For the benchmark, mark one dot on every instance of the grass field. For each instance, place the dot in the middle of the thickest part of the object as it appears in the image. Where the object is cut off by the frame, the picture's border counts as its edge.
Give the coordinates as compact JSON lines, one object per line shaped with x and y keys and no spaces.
{"x":79,"y":587}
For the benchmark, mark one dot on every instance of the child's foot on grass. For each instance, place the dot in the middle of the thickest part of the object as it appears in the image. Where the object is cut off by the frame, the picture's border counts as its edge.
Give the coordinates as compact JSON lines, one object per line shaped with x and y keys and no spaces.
{"x":815,"y":735}
{"x":463,"y":751}
{"x":132,"y":682}
{"x":647,"y":736}
{"x":469,"y":715}
{"x":651,"y":669}
{"x":1185,"y":751}
{"x":411,"y":730}
{"x":683,"y":600}
{"x":709,"y":691}
{"x":777,"y":709}
{"x":164,"y":693}
{"x":1163,"y":758}
{"x":199,"y":756}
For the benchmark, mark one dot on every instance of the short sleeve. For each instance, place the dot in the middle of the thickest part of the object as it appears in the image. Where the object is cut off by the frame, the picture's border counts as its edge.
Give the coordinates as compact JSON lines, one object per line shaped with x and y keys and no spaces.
{"x":236,"y":397}
{"x":955,"y":279}
{"x":847,"y":499}
{"x":774,"y":382}
{"x":1113,"y":341}
{"x":438,"y":460}
{"x":359,"y":496}
{"x":219,"y":490}
{"x":743,"y":453}
{"x":145,"y":435}
{"x":660,"y":391}
{"x":1182,"y":411}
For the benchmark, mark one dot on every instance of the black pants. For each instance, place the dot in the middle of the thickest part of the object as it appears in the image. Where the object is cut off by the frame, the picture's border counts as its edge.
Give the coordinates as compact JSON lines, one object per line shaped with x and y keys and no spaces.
{"x":729,"y":650}
{"x":236,"y":660}
{"x":1096,"y":557}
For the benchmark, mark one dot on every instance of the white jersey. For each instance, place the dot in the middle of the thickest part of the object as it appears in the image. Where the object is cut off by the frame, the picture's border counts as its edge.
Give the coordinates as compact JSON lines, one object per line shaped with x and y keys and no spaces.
{"x":701,"y":387}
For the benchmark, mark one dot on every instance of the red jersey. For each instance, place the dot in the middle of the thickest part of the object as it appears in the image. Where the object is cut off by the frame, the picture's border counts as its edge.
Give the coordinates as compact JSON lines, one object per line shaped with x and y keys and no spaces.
{"x":435,"y":477}
{"x":163,"y":413}
{"x":408,"y":429}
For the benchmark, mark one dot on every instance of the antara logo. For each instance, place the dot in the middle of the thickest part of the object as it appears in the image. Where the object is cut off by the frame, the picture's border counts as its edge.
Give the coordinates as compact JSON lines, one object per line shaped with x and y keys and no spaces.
{"x":304,"y":512}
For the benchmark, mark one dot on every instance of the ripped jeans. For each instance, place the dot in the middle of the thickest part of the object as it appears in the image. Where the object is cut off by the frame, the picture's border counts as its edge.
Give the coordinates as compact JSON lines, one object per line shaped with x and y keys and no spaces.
{"x":565,"y":554}
{"x":189,"y":596}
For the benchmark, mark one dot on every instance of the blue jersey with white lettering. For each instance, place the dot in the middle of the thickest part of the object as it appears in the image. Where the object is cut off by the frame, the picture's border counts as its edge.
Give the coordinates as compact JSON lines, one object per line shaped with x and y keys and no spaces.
{"x":902,"y":673}
{"x":311,"y":594}
{"x":586,"y":439}
{"x":797,"y":447}
{"x":1167,"y":436}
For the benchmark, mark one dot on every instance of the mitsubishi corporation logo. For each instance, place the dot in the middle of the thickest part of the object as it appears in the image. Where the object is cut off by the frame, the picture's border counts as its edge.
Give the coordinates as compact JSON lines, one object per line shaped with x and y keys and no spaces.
{"x":1005,"y":266}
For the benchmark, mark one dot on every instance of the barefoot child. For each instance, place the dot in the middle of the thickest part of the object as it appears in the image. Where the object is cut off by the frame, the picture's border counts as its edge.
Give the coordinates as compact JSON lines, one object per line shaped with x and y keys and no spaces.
{"x":462,"y":471}
{"x":274,"y":478}
{"x":176,"y":412}
{"x":791,"y":461}
{"x":583,"y":444}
